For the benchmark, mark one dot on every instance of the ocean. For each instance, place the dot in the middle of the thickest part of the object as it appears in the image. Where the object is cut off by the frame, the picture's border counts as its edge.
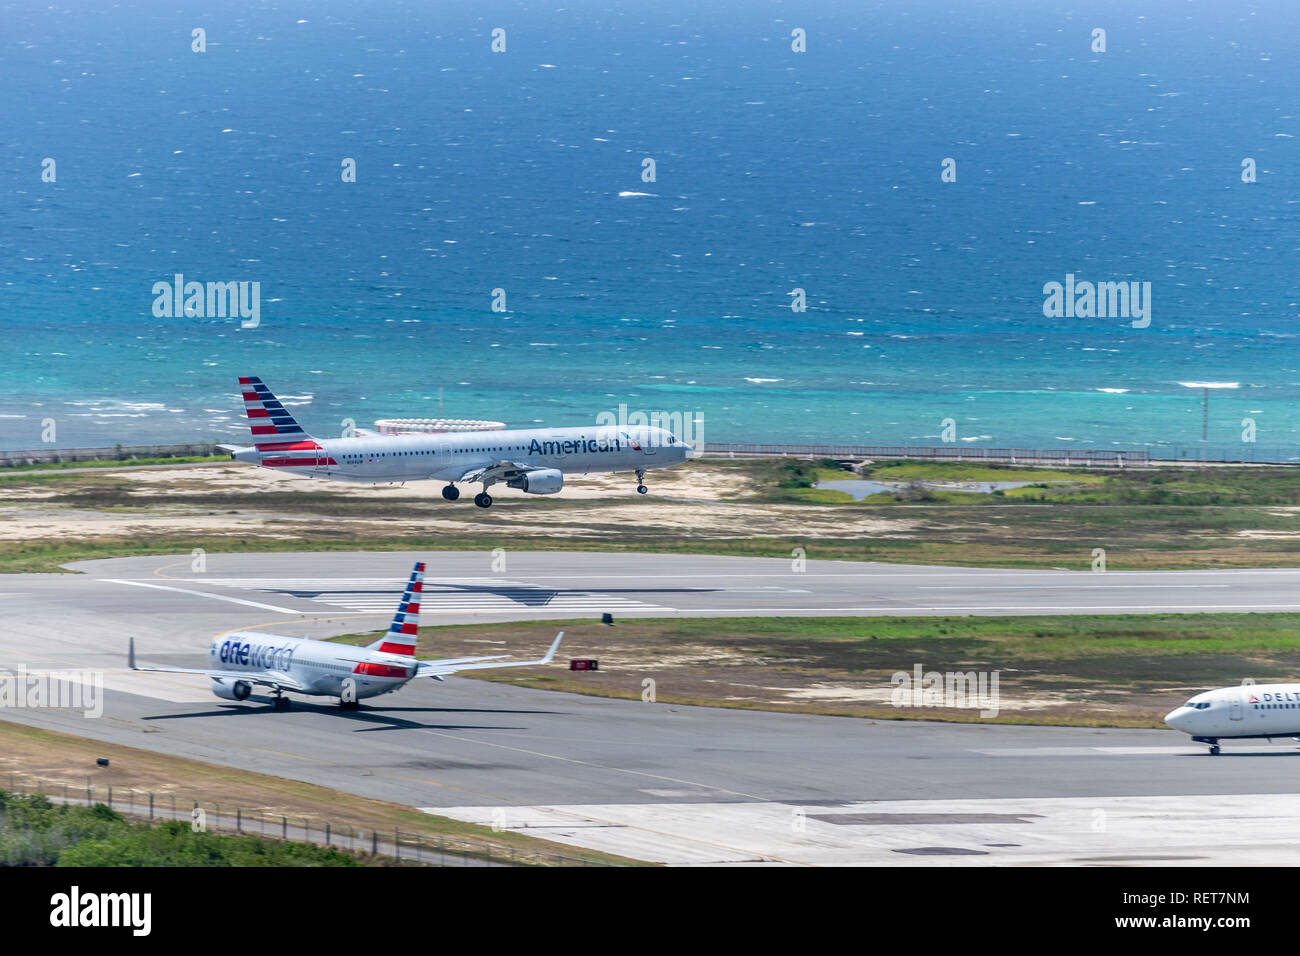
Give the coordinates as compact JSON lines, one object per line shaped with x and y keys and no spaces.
{"x":774,"y":170}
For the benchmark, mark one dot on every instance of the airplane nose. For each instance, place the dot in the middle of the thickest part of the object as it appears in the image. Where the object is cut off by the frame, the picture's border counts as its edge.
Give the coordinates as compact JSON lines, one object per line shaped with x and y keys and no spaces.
{"x":1178,"y":718}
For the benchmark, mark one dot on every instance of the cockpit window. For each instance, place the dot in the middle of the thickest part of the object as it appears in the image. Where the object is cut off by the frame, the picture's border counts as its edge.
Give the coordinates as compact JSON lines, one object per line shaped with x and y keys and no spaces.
{"x":1197,"y":705}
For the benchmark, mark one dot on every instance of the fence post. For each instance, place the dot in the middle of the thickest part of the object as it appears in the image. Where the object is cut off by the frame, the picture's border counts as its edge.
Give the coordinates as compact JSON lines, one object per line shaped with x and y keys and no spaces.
{"x":397,"y":843}
{"x":151,"y":805}
{"x":239,"y":819}
{"x":110,"y":796}
{"x":284,"y":827}
{"x":327,"y":833}
{"x":374,"y":842}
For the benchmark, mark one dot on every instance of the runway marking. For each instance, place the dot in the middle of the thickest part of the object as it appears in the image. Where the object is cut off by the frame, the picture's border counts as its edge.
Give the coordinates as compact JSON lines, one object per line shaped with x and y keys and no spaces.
{"x":206,"y":594}
{"x":441,"y":595}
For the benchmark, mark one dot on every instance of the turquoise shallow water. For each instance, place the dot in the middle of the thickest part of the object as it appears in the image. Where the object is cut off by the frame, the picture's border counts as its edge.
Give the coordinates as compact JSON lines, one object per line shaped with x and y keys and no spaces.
{"x":774,"y":171}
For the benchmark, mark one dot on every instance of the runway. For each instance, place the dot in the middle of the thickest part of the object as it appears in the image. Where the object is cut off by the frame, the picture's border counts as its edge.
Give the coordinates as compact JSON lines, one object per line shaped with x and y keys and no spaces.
{"x":682,"y":785}
{"x":516,"y":585}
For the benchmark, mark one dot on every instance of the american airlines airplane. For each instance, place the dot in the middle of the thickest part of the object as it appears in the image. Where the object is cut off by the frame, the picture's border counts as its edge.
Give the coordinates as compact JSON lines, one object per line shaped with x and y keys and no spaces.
{"x":1250,"y":711}
{"x":534,"y":460}
{"x":326,"y":669}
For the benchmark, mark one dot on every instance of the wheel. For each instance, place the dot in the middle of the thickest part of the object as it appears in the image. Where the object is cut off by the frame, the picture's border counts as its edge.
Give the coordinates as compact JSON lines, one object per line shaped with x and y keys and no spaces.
{"x":641,"y":489}
{"x":483,"y":499}
{"x":281,"y":703}
{"x":1214,"y":750}
{"x":451,"y":492}
{"x":349,"y":704}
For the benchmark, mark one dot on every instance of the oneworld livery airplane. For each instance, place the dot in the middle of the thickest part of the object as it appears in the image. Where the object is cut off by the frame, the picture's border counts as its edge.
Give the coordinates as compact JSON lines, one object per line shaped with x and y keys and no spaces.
{"x":534,"y":460}
{"x":245,"y":659}
{"x":1247,"y":712}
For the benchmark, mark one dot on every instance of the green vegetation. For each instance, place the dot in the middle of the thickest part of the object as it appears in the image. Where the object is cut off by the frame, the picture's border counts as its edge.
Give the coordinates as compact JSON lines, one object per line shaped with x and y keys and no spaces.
{"x":1084,"y":670}
{"x":1164,"y":518}
{"x":116,"y":463}
{"x":55,"y":759}
{"x":962,"y":471}
{"x":37,"y":832}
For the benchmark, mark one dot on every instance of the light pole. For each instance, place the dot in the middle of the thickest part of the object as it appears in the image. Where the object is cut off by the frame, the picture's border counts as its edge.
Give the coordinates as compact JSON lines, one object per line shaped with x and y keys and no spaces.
{"x":1205,"y":404}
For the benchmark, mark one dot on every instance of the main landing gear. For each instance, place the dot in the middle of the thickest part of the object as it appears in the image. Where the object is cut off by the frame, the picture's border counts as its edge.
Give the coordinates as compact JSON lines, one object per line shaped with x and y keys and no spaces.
{"x":640,"y":482}
{"x":279,"y":701}
{"x":482,"y":499}
{"x":349,"y":704}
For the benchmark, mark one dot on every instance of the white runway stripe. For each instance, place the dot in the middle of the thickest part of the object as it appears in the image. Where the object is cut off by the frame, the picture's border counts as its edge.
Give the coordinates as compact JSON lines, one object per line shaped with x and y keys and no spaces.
{"x":440,"y":596}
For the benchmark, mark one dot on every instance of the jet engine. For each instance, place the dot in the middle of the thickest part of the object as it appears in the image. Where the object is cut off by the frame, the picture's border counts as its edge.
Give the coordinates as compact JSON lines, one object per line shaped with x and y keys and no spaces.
{"x":231,"y":690}
{"x":543,"y":481}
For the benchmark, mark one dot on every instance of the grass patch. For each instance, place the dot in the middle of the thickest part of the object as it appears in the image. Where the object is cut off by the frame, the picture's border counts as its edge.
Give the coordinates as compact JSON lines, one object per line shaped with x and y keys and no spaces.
{"x":115,"y":463}
{"x":36,"y":832}
{"x":1084,"y":670}
{"x":56,"y":758}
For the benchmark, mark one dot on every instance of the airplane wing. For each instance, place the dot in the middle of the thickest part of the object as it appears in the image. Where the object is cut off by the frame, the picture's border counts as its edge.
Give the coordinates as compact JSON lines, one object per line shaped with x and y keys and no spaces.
{"x":265,"y":678}
{"x":499,"y":470}
{"x":439,"y":669}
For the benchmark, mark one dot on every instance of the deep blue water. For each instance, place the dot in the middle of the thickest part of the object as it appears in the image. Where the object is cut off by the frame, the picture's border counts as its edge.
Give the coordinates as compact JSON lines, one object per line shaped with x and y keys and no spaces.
{"x":775,"y":170}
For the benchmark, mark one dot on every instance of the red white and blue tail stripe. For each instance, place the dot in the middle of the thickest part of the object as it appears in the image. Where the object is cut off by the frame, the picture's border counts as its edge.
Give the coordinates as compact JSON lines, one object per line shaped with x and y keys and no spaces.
{"x":268,"y":420}
{"x":277,"y":435}
{"x":404,"y":632}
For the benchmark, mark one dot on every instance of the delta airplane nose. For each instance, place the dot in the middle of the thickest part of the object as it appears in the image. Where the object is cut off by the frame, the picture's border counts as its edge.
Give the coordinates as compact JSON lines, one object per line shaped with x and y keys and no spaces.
{"x":1178,"y":718}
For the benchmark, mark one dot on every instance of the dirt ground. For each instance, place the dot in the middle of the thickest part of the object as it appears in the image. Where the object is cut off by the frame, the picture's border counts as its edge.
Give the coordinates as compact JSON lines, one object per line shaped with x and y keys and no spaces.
{"x":695,"y":500}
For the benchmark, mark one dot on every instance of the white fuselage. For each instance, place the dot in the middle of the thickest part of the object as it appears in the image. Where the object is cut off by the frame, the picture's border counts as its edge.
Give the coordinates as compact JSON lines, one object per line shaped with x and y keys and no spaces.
{"x":1251,"y":710}
{"x":321,"y":667}
{"x":447,"y":456}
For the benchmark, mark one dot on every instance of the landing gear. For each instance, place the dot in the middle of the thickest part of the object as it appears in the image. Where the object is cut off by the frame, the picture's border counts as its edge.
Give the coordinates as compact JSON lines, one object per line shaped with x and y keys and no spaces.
{"x":349,"y":704}
{"x":280,"y":702}
{"x":1214,"y":750}
{"x":451,"y":492}
{"x":640,"y":482}
{"x":483,"y":499}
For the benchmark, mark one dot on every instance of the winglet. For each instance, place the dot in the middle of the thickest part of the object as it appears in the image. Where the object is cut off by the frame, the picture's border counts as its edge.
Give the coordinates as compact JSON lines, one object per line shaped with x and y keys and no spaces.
{"x":130,"y":654}
{"x":555,"y":645}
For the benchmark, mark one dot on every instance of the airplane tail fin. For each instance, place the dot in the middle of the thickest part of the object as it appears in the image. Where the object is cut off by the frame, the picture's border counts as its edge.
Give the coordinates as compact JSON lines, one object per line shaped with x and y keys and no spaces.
{"x":272,"y":426}
{"x":404,"y":632}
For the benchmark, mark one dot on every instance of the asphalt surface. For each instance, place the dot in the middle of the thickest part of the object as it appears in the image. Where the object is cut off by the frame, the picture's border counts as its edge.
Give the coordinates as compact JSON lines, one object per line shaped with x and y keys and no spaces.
{"x":681,"y":773}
